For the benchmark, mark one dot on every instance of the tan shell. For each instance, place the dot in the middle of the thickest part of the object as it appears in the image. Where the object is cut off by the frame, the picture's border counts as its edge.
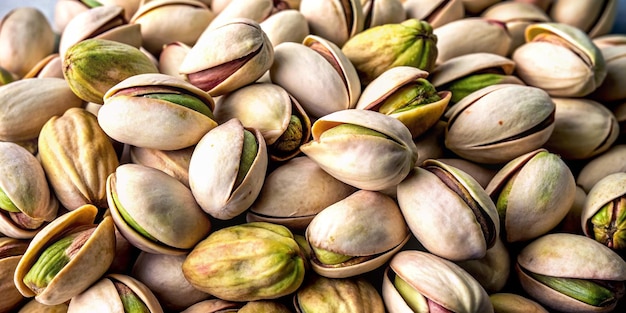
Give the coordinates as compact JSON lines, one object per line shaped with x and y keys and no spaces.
{"x":471,"y":35}
{"x":430,"y":144}
{"x":436,"y":13}
{"x":477,"y":6}
{"x":475,"y":129}
{"x":33,"y":306}
{"x":480,"y":173}
{"x":611,"y":161}
{"x":417,"y":120}
{"x":166,"y":21}
{"x":212,"y":306}
{"x":491,"y":271}
{"x":542,"y":193}
{"x":335,"y":294}
{"x":159,"y":204}
{"x":582,"y":128}
{"x":104,"y":296}
{"x":50,"y":66}
{"x":595,"y":17}
{"x":11,"y":251}
{"x":365,"y":162}
{"x":380,"y":12}
{"x":105,"y":22}
{"x":214,"y":166}
{"x":171,"y":57}
{"x":514,"y":303}
{"x":65,"y":10}
{"x":426,"y":200}
{"x":351,"y":227}
{"x":328,"y":19}
{"x":610,"y":89}
{"x":27,"y":104}
{"x":285,"y":26}
{"x":256,"y":10}
{"x":467,"y":64}
{"x":330,"y":89}
{"x":85,"y":268}
{"x":139,"y":121}
{"x":435,"y":278}
{"x":173,"y":162}
{"x":607,"y":189}
{"x":609,"y":40}
{"x":587,"y":259}
{"x":295,"y":192}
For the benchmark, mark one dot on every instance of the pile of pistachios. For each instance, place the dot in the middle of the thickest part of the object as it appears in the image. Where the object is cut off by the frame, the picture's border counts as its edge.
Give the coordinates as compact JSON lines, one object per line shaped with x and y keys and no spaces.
{"x":463,"y":156}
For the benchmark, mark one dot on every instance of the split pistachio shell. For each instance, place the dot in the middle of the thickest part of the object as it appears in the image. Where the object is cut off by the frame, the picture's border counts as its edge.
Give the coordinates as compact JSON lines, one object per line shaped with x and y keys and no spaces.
{"x":587,"y":260}
{"x":477,"y":6}
{"x":533,"y":193}
{"x":271,"y":110}
{"x":50,"y":66}
{"x":331,"y":89}
{"x":334,"y":20}
{"x":492,"y":270}
{"x":582,"y":128}
{"x":215,"y":166}
{"x":290,"y":199}
{"x":514,"y":303}
{"x":420,"y":117}
{"x":604,"y":210}
{"x":85,"y":267}
{"x":219,"y":64}
{"x":23,"y":183}
{"x":595,"y":17}
{"x":499,"y":123}
{"x":11,"y":251}
{"x":436,"y":13}
{"x":106,"y":22}
{"x":471,"y":35}
{"x":362,"y":160}
{"x":172,"y":162}
{"x":470,"y":216}
{"x":130,"y":117}
{"x":154,"y":211}
{"x":560,"y":59}
{"x":609,"y":40}
{"x":285,"y":26}
{"x":380,"y":12}
{"x":163,"y":275}
{"x":166,"y":21}
{"x":27,"y":104}
{"x":609,"y":162}
{"x":26,"y":37}
{"x":256,"y":10}
{"x":327,"y":295}
{"x":443,"y":283}
{"x":480,"y":173}
{"x":105,"y":296}
{"x":349,"y":227}
{"x":610,"y":90}
{"x":77,"y":156}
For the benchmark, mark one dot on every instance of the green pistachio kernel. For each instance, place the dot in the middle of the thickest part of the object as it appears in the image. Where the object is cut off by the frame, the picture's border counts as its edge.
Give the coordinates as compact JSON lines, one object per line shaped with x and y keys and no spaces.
{"x":248,"y":155}
{"x":91,"y":3}
{"x":187,"y":101}
{"x":129,"y":220}
{"x":350,"y":129}
{"x":54,"y":258}
{"x":462,"y":87}
{"x":580,"y":289}
{"x":291,"y":139}
{"x":415,"y":300}
{"x":6,"y":203}
{"x":329,"y":257}
{"x":5,"y":76}
{"x":131,"y":302}
{"x":609,"y":224}
{"x":419,"y":93}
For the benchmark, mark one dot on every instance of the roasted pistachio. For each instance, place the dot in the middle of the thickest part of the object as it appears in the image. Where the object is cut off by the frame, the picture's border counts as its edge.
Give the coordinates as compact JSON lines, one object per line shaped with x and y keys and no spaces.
{"x":326,"y":295}
{"x":336,"y":20}
{"x":604,"y":211}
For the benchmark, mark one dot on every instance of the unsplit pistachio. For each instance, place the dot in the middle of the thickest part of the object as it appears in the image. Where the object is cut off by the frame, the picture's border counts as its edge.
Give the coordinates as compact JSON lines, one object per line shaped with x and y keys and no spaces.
{"x":274,"y":112}
{"x":289,"y":199}
{"x":362,"y":148}
{"x":77,"y":156}
{"x":533,"y":193}
{"x":26,"y":37}
{"x":26,"y":201}
{"x":480,"y":173}
{"x":436,"y":13}
{"x":492,"y":270}
{"x":246,"y":262}
{"x":256,"y":10}
{"x":380,"y":12}
{"x":609,"y":90}
{"x":477,"y":6}
{"x":218,"y":65}
{"x":595,"y":18}
{"x":11,"y":251}
{"x":583,"y":128}
{"x":514,"y":303}
{"x":417,"y":281}
{"x":335,"y":20}
{"x":27,"y":104}
{"x":166,"y":21}
{"x":285,"y":26}
{"x":172,"y":162}
{"x":154,"y":211}
{"x":593,"y":281}
{"x":466,"y":203}
{"x":326,"y":295}
{"x":346,"y":239}
{"x":90,"y":77}
{"x":171,"y":57}
{"x":227,"y":169}
{"x":136,"y":109}
{"x":66,"y":256}
{"x":377,"y":49}
{"x":404,"y":93}
{"x":496,"y":124}
{"x":560,"y":59}
{"x":33,"y":306}
{"x":609,"y":162}
{"x":604,"y":211}
{"x":116,"y":293}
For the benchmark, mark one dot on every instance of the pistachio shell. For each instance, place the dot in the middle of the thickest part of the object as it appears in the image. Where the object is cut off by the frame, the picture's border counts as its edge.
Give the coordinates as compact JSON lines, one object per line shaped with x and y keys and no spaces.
{"x":33,"y":306}
{"x":326,"y":295}
{"x":50,"y":66}
{"x":334,"y":20}
{"x":171,"y":57}
{"x":256,"y":10}
{"x":380,"y":12}
{"x":607,"y":189}
{"x":173,"y":162}
{"x":599,"y":16}
{"x":611,"y":161}
{"x":212,"y":306}
{"x":285,"y":26}
{"x":436,"y":13}
{"x":609,"y":90}
{"x":514,"y":303}
{"x":491,"y":271}
{"x":11,"y":251}
{"x":468,"y":64}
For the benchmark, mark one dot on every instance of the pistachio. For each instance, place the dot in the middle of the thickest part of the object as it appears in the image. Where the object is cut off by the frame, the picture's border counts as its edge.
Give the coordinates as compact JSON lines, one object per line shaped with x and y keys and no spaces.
{"x":336,"y":20}
{"x":599,"y":15}
{"x":514,"y":303}
{"x":582,"y":290}
{"x":436,"y":13}
{"x":11,"y":251}
{"x":604,"y":212}
{"x":326,"y":295}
